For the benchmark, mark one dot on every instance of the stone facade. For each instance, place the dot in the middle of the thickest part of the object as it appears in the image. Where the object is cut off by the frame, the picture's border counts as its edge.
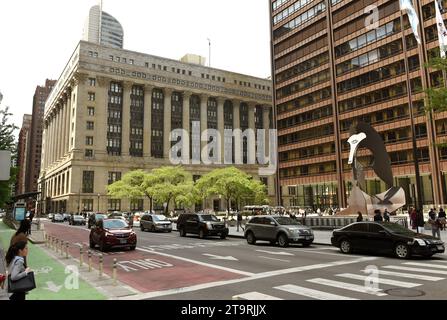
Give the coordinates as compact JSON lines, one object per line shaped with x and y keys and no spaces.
{"x":112,"y":111}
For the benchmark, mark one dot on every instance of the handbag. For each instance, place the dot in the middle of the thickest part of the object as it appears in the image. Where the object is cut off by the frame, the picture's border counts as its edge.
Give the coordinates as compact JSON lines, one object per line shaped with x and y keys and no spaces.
{"x":24,"y":284}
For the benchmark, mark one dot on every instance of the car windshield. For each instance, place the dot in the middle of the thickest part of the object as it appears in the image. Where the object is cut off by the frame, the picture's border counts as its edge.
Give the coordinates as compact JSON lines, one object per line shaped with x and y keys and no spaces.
{"x":78,"y":217}
{"x":115,"y":224}
{"x":58,"y":215}
{"x":286,"y":221}
{"x":208,"y":217}
{"x":397,"y":228}
{"x":100,"y":216}
{"x":159,"y":217}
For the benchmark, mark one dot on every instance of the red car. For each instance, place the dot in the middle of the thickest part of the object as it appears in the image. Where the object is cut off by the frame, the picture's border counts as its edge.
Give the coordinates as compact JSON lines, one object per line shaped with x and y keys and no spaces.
{"x":112,"y":233}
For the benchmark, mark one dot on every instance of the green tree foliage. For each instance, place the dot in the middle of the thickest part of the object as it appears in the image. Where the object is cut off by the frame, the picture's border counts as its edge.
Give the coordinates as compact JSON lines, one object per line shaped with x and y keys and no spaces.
{"x":437,"y":97}
{"x":232,"y":184}
{"x":7,"y":142}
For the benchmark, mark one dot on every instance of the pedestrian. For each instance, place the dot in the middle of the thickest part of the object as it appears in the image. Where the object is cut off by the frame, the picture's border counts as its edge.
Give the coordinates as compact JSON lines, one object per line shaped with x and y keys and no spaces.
{"x":130,"y":219}
{"x":378,"y":216}
{"x":442,"y":218}
{"x":386,"y":216}
{"x":15,"y":261}
{"x":239,"y":220}
{"x":21,"y":233}
{"x":413,"y":216}
{"x":435,"y":224}
{"x":420,"y":221}
{"x":359,"y":217}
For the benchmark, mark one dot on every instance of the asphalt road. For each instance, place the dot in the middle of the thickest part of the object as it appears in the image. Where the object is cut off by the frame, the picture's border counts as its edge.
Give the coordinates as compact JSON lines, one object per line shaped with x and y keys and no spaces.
{"x":167,"y":266}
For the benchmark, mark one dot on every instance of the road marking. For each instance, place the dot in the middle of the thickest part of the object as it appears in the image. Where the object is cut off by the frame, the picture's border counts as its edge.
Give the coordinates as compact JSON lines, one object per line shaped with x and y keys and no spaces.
{"x":199,"y":262}
{"x":418,"y":264}
{"x":311,"y":293}
{"x":281,"y":253}
{"x":416,"y":269}
{"x":274,"y":259}
{"x":268,"y":274}
{"x":407,"y":275}
{"x":254,"y":296}
{"x":348,"y":286}
{"x":402,"y":284}
{"x":212,"y":256}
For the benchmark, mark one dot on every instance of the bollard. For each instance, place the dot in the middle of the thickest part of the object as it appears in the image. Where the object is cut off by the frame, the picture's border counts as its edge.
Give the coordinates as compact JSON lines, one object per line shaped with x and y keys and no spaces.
{"x":100,"y":265}
{"x":89,"y":261}
{"x":114,"y":272}
{"x":46,"y":240}
{"x":56,"y":245}
{"x":81,"y":256}
{"x":66,"y":249}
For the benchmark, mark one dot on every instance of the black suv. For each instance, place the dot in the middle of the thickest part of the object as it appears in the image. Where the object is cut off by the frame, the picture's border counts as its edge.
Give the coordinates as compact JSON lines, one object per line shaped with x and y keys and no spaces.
{"x":201,"y":224}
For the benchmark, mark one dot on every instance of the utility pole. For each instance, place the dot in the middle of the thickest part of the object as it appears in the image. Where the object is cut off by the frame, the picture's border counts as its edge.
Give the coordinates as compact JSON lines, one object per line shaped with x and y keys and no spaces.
{"x":209,"y":52}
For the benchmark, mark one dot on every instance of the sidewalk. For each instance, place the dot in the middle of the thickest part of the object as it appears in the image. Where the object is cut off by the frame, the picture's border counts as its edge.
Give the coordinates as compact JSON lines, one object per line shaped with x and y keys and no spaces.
{"x":55,"y":281}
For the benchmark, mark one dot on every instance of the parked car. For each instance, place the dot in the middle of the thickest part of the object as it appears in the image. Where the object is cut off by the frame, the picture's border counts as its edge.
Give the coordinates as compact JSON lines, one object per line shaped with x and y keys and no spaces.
{"x":281,"y":229}
{"x":58,"y":218}
{"x":118,"y":215}
{"x":385,"y":237}
{"x":66,"y":216}
{"x":112,"y":233}
{"x":76,"y":220}
{"x":50,"y":216}
{"x":202,"y":224}
{"x":155,"y":222}
{"x":94,"y":218}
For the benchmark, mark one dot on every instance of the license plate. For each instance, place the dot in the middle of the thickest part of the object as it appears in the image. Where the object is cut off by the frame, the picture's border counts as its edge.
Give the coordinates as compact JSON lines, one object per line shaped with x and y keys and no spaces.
{"x":440,"y":247}
{"x":123,"y":241}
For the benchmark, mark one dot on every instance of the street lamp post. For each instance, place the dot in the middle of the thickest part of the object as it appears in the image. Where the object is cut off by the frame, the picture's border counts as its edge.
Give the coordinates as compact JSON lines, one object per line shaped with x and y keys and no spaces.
{"x":99,"y":195}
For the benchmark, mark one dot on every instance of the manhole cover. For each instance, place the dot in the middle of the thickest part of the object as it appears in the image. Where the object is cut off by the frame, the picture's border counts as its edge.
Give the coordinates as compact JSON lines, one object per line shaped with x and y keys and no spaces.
{"x":398,"y":292}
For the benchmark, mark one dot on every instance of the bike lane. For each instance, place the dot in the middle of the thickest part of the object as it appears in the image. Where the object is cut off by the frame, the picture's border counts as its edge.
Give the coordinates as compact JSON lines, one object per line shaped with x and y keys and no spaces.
{"x":52,"y":281}
{"x":141,"y":270}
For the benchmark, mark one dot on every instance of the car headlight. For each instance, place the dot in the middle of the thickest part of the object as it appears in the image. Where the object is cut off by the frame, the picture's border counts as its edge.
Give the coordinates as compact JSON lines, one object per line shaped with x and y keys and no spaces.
{"x":294,"y":230}
{"x":420,"y":242}
{"x":108,"y":234}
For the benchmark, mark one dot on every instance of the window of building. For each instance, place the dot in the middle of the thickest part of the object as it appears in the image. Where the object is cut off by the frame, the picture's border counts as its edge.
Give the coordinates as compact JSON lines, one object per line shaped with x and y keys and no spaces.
{"x":91,"y":96}
{"x":136,"y":205}
{"x":88,"y":178}
{"x":89,"y":141}
{"x":87,"y":205}
{"x":111,"y":57}
{"x":114,"y":205}
{"x":131,"y":61}
{"x":91,"y":111}
{"x":88,"y":153}
{"x":92,"y":82}
{"x":113,"y":177}
{"x":90,"y":125}
{"x":147,"y":64}
{"x":190,"y":73}
{"x":124,"y":60}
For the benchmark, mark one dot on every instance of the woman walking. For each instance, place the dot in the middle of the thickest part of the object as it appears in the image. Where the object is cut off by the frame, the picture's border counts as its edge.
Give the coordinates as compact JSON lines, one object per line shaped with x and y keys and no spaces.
{"x":15,"y":261}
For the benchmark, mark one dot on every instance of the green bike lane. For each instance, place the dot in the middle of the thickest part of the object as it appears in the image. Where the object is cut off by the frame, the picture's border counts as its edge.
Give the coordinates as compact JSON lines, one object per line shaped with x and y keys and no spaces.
{"x":53,"y":280}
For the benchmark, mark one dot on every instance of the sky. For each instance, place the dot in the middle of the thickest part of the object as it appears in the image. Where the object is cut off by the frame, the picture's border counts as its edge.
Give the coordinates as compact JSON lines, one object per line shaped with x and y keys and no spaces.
{"x":38,"y":37}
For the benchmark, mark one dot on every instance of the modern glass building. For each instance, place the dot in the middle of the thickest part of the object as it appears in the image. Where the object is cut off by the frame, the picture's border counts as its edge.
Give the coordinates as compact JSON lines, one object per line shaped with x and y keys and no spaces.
{"x":331,"y":67}
{"x":110,"y":34}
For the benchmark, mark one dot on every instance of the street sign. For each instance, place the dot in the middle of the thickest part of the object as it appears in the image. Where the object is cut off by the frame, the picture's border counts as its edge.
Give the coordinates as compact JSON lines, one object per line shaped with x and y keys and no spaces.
{"x":5,"y":165}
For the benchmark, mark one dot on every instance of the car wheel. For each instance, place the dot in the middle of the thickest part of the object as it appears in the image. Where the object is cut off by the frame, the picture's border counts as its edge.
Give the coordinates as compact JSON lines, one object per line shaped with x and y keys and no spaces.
{"x":141,"y":227}
{"x":251,"y":238}
{"x":182,"y":232}
{"x":92,"y":244}
{"x":152,"y":228}
{"x":402,"y":251}
{"x":345,"y":246}
{"x":102,"y":247}
{"x":223,"y":236}
{"x":283,"y":241}
{"x":132,"y":248}
{"x":201,"y":234}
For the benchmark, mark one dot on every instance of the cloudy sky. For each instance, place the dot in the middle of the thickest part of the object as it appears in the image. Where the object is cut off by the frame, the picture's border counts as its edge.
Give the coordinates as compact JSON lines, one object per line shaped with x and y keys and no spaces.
{"x":38,"y":37}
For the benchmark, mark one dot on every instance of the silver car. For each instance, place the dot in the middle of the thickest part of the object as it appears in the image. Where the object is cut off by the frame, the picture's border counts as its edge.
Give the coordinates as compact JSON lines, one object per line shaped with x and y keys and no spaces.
{"x":155,"y":222}
{"x":283,"y":230}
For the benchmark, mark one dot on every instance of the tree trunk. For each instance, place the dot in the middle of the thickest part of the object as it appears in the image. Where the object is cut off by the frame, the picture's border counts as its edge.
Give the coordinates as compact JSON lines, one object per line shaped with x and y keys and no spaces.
{"x":228,"y":206}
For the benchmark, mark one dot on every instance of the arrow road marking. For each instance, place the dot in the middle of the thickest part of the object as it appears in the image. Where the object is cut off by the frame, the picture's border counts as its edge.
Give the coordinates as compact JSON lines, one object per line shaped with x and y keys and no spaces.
{"x":281,"y":253}
{"x":53,"y":287}
{"x":212,"y":256}
{"x":274,"y":259}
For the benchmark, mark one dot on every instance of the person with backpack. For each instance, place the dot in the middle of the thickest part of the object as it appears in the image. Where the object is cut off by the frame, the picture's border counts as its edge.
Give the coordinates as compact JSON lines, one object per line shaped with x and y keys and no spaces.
{"x":15,"y":261}
{"x":435,"y":224}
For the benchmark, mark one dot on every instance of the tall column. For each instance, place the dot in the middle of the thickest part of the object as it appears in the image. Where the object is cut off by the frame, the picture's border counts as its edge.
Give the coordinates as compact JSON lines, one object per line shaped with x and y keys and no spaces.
{"x":53,"y":133}
{"x":68,"y":122}
{"x":266,"y":126}
{"x":43,"y":157}
{"x":101,"y":108}
{"x":203,"y":118}
{"x":221,"y":125}
{"x":186,"y":121}
{"x":167,"y":122}
{"x":58,"y":131}
{"x":147,"y":130}
{"x":237,"y":125}
{"x":251,"y":143}
{"x":63,"y":129}
{"x":125,"y":137}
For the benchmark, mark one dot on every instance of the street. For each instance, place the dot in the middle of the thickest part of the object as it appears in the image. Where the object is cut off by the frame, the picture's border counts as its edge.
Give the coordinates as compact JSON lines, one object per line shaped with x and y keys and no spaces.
{"x":167,"y":266}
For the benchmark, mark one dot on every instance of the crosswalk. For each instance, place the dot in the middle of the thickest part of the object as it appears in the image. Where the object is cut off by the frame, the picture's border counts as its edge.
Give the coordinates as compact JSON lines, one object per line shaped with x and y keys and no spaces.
{"x":411,"y":274}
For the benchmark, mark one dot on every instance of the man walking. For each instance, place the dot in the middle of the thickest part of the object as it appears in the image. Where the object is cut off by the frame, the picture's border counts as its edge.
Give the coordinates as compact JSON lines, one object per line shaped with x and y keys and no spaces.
{"x":378,"y":216}
{"x":435,"y":224}
{"x":420,"y":221}
{"x":386,"y":216}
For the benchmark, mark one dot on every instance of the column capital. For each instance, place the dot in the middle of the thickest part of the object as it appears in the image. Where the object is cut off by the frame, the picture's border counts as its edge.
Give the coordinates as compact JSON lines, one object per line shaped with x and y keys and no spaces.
{"x":102,"y":81}
{"x":221,"y":100}
{"x":187,"y":94}
{"x":78,"y":78}
{"x":127,"y":85}
{"x":149,"y":87}
{"x":236,"y":102}
{"x":168,"y":91}
{"x":204,"y":96}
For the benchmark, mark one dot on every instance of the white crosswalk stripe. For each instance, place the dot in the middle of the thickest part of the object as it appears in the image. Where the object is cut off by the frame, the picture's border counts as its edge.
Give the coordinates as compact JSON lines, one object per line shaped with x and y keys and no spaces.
{"x":311,"y":293}
{"x":254,"y":296}
{"x":429,"y":265}
{"x":348,"y":286}
{"x":407,"y":275}
{"x":402,"y":268}
{"x":379,"y":280}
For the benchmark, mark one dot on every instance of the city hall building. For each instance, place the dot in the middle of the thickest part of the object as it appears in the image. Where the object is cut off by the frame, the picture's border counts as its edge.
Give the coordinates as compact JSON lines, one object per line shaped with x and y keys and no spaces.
{"x":330,"y":70}
{"x":112,"y":111}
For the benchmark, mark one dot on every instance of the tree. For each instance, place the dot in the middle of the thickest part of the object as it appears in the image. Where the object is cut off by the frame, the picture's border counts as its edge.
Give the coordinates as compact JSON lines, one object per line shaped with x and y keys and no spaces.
{"x":173,"y":184}
{"x":231,"y":184}
{"x":7,"y":142}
